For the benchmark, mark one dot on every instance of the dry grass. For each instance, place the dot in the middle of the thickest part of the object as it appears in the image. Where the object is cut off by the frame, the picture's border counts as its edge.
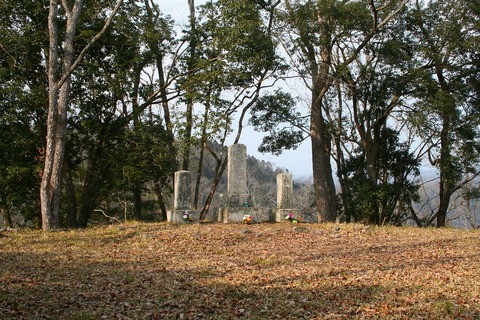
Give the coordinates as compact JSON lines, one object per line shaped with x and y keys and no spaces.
{"x":263,"y":271}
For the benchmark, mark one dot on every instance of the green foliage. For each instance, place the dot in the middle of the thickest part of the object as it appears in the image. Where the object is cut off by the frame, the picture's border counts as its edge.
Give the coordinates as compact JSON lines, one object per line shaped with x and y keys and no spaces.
{"x":23,"y":98}
{"x":387,"y":199}
{"x":117,"y":146}
{"x":147,"y":158}
{"x":19,"y":170}
{"x":428,"y":56}
{"x":275,"y":113}
{"x":325,"y":23}
{"x":234,"y":47}
{"x":241,"y":40}
{"x":447,"y":90}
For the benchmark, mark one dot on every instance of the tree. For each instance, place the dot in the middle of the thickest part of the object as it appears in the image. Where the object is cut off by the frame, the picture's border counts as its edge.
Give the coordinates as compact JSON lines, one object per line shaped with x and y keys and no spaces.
{"x":276,"y":114}
{"x":113,"y":100}
{"x":447,"y":115}
{"x":23,"y":98}
{"x":386,"y":200}
{"x":370,"y":101}
{"x":235,"y":59}
{"x":317,"y":31}
{"x":58,"y":95}
{"x":189,"y":96}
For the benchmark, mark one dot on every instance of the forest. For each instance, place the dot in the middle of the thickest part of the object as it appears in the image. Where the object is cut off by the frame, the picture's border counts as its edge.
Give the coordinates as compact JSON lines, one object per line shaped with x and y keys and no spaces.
{"x":102,"y":101}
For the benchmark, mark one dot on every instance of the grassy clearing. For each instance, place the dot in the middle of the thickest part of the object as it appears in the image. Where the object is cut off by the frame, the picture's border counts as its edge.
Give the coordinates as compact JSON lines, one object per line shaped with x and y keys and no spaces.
{"x":261,"y":271}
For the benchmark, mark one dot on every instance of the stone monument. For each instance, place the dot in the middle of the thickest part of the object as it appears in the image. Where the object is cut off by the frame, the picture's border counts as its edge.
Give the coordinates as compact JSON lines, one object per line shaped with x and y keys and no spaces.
{"x":285,"y":198}
{"x":237,"y":175}
{"x":237,"y":202}
{"x":182,"y":203}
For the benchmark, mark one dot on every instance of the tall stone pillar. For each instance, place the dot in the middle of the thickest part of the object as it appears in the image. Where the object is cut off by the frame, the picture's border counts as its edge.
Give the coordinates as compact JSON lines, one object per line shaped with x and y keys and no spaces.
{"x":182,"y":191}
{"x":182,"y":201}
{"x":236,"y":203}
{"x":285,"y":197}
{"x":284,"y":191}
{"x":237,"y":175}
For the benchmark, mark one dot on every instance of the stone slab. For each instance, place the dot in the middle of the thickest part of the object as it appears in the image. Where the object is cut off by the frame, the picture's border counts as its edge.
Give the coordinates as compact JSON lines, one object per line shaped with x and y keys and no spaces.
{"x":237,"y":169}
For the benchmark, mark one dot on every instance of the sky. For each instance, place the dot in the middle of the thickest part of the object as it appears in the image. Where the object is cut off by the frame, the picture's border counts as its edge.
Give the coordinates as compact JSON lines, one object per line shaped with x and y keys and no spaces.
{"x":298,"y":162}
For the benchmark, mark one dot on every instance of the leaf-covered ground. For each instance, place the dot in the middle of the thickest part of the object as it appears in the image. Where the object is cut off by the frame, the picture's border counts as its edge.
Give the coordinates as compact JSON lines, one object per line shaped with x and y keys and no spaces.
{"x":261,"y":271}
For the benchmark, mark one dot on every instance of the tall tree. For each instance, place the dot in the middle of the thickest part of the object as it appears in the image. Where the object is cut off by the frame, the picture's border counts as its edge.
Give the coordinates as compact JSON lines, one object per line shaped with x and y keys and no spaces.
{"x":370,"y":102}
{"x":236,"y":59}
{"x":189,"y":96}
{"x":114,"y":95}
{"x":387,"y":199}
{"x":62,"y":56}
{"x":317,"y":31}
{"x":23,"y":100}
{"x":163,"y":48}
{"x":447,"y":116}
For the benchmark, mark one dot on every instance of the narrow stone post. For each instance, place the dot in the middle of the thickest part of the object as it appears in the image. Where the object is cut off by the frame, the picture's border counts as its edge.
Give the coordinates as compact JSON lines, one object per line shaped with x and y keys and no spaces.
{"x":182,"y":201}
{"x":284,"y":191}
{"x":285,"y":197}
{"x":236,"y":203}
{"x":182,"y":192}
{"x":237,"y":175}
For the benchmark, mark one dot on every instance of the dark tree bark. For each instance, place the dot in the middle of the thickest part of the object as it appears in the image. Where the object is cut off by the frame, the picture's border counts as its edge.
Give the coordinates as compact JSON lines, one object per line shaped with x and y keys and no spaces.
{"x":137,"y":203}
{"x":58,"y":95}
{"x":7,"y":218}
{"x":322,"y":169}
{"x":191,"y":65}
{"x":71,"y":198}
{"x":88,"y":189}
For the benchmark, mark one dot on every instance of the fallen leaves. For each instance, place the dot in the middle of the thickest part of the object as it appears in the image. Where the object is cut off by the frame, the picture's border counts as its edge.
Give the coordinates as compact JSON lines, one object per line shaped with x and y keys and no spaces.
{"x":260,"y":271}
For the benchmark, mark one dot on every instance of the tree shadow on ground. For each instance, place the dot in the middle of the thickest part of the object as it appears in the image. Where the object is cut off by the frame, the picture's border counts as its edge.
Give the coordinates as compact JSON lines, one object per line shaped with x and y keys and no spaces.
{"x":63,"y":288}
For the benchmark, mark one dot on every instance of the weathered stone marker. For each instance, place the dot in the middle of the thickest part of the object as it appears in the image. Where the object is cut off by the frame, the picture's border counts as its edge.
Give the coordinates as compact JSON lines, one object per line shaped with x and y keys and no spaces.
{"x":182,"y":202}
{"x":284,"y":191}
{"x":237,"y":175}
{"x":236,"y":203}
{"x":285,"y":202}
{"x":285,"y":197}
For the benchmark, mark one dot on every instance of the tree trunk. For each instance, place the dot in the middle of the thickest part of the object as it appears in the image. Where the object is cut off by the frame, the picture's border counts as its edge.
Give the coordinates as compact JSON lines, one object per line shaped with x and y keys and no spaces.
{"x":371,"y":154}
{"x":137,"y":203}
{"x":340,"y":158}
{"x":219,"y":170}
{"x":199,"y":175}
{"x":321,"y":150}
{"x":161,"y":203}
{"x":203,"y":145}
{"x":59,"y":92}
{"x":7,"y":218}
{"x":445,"y":195}
{"x":87,"y":200}
{"x":71,"y":198}
{"x":447,"y":182}
{"x":322,"y":170}
{"x":189,"y":94}
{"x":159,"y":55}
